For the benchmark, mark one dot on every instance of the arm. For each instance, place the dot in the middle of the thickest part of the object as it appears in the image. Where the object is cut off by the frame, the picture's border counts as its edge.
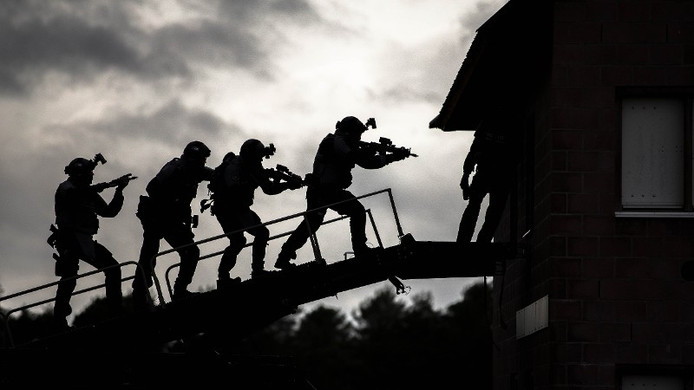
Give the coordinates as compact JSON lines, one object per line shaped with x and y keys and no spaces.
{"x":269,"y":185}
{"x":112,"y":208}
{"x":384,"y":151}
{"x":364,"y":157}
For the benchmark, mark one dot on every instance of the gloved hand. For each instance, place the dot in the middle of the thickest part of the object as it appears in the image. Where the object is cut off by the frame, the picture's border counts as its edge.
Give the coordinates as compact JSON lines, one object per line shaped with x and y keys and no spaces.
{"x":123,"y":181}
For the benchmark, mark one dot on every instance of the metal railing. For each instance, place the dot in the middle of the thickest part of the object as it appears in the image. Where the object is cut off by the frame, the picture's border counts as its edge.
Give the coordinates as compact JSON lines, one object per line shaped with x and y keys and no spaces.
{"x":5,"y":318}
{"x":312,"y":235}
{"x":214,"y":254}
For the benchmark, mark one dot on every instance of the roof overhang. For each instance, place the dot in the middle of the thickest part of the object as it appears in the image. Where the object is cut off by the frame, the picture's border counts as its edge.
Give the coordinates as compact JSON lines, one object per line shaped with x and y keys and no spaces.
{"x":503,"y":67}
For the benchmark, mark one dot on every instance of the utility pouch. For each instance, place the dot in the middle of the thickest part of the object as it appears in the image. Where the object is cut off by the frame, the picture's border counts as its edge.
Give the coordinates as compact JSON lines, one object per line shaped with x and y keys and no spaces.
{"x":58,"y":265}
{"x":53,"y":238}
{"x":144,"y":207}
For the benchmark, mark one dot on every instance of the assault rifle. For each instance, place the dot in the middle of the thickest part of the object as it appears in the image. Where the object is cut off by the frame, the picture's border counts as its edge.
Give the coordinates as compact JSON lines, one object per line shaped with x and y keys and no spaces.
{"x":123,"y":180}
{"x":283,"y":173}
{"x":384,"y":147}
{"x":114,"y":183}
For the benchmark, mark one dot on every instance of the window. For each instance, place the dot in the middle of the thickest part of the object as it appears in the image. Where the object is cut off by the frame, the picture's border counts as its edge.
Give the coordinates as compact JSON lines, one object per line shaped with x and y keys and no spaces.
{"x":657,"y":153}
{"x":652,"y":382}
{"x":653,"y":377}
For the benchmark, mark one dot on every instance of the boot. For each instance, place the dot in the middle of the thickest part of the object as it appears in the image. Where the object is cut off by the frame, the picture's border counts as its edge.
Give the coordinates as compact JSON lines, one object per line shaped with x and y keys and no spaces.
{"x":227,"y":282}
{"x":283,"y":260}
{"x":182,"y":293}
{"x":259,"y":274}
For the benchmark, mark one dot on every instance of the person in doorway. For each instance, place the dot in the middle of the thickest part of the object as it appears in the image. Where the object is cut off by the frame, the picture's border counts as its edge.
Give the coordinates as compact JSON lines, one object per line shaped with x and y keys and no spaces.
{"x":492,"y":158}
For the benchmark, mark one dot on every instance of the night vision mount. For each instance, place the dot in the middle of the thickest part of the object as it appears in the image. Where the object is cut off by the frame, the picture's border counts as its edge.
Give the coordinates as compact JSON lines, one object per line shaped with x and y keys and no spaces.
{"x":269,"y":150}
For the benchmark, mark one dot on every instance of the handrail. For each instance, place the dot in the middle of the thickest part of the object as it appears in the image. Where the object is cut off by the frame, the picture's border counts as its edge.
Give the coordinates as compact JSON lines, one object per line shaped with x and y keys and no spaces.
{"x":217,"y":253}
{"x":291,"y":216}
{"x":314,"y":241}
{"x":6,"y":317}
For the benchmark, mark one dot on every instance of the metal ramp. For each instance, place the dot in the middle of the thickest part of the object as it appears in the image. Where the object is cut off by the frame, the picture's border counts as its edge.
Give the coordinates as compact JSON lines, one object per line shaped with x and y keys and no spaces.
{"x":238,"y":310}
{"x":232,"y":313}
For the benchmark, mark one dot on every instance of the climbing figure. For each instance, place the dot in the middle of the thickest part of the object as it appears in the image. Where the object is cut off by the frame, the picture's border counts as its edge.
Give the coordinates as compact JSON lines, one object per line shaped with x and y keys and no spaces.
{"x":233,"y":190}
{"x":337,"y":155}
{"x":77,"y":208}
{"x":165,"y":213}
{"x":492,"y":156}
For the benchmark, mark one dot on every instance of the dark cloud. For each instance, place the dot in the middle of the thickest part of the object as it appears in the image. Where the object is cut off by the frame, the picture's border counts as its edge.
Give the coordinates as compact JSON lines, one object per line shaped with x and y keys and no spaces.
{"x":258,"y":13}
{"x":85,"y":39}
{"x":35,"y":40}
{"x":171,"y":124}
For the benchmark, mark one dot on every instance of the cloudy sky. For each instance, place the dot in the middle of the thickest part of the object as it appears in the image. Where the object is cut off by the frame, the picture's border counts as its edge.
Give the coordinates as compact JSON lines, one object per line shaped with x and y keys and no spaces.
{"x":136,"y":80}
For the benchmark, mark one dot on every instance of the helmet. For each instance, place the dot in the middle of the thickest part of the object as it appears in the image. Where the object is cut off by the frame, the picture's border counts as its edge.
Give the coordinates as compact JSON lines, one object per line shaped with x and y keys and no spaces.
{"x":79,"y":167}
{"x":252,"y":149}
{"x":350,"y":125}
{"x":196,"y":150}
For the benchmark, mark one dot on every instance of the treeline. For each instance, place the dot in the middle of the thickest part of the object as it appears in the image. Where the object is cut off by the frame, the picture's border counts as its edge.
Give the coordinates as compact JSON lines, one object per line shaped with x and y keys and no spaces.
{"x":386,"y":343}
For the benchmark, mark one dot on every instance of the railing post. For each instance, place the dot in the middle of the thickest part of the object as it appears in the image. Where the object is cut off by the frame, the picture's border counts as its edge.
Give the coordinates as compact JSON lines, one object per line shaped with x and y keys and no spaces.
{"x":44,"y":286}
{"x":373,"y":225}
{"x":395,"y":213}
{"x":314,"y":240}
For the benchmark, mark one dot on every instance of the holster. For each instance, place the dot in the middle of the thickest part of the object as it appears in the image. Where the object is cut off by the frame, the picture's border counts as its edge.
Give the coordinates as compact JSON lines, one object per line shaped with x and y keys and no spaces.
{"x":58,"y":265}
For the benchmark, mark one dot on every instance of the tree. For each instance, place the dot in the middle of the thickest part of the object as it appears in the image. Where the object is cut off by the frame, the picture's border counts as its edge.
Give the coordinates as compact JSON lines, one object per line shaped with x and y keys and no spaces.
{"x":323,"y":345}
{"x":470,"y":317}
{"x":390,"y":342}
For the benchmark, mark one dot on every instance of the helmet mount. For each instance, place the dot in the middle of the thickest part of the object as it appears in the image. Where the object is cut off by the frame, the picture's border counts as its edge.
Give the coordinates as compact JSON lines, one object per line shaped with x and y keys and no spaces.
{"x":253,"y":149}
{"x":352,"y":125}
{"x":81,"y":166}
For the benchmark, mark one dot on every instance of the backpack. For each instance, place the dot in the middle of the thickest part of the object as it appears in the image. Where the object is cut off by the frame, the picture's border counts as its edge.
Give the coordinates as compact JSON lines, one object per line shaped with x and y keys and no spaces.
{"x":217,"y":185}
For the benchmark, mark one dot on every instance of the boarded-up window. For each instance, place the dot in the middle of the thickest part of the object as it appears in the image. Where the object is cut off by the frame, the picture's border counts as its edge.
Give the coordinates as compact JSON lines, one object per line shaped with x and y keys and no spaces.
{"x":653,"y":153}
{"x":651,"y":382}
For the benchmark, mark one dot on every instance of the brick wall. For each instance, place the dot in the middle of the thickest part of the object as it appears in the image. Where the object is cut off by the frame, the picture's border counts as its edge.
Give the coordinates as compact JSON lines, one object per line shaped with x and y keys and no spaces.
{"x":616,"y":296}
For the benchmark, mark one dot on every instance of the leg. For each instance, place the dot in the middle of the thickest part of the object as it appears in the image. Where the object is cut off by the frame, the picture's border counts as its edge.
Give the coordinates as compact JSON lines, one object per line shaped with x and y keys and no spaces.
{"x":71,"y":247}
{"x":469,"y":219}
{"x":357,"y":219}
{"x":178,"y":237}
{"x":151,"y":238}
{"x":230,"y":223}
{"x":69,"y":267}
{"x":261,"y":235}
{"x":497,"y":204}
{"x":103,"y":258}
{"x":310,"y":224}
{"x":236,"y":243}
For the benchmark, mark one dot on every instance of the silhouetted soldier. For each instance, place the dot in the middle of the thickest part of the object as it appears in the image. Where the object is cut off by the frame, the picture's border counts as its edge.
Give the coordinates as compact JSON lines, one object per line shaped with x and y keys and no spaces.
{"x":165,"y":213}
{"x":233,"y":189}
{"x":77,"y":208}
{"x":492,"y":155}
{"x":337,"y":155}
